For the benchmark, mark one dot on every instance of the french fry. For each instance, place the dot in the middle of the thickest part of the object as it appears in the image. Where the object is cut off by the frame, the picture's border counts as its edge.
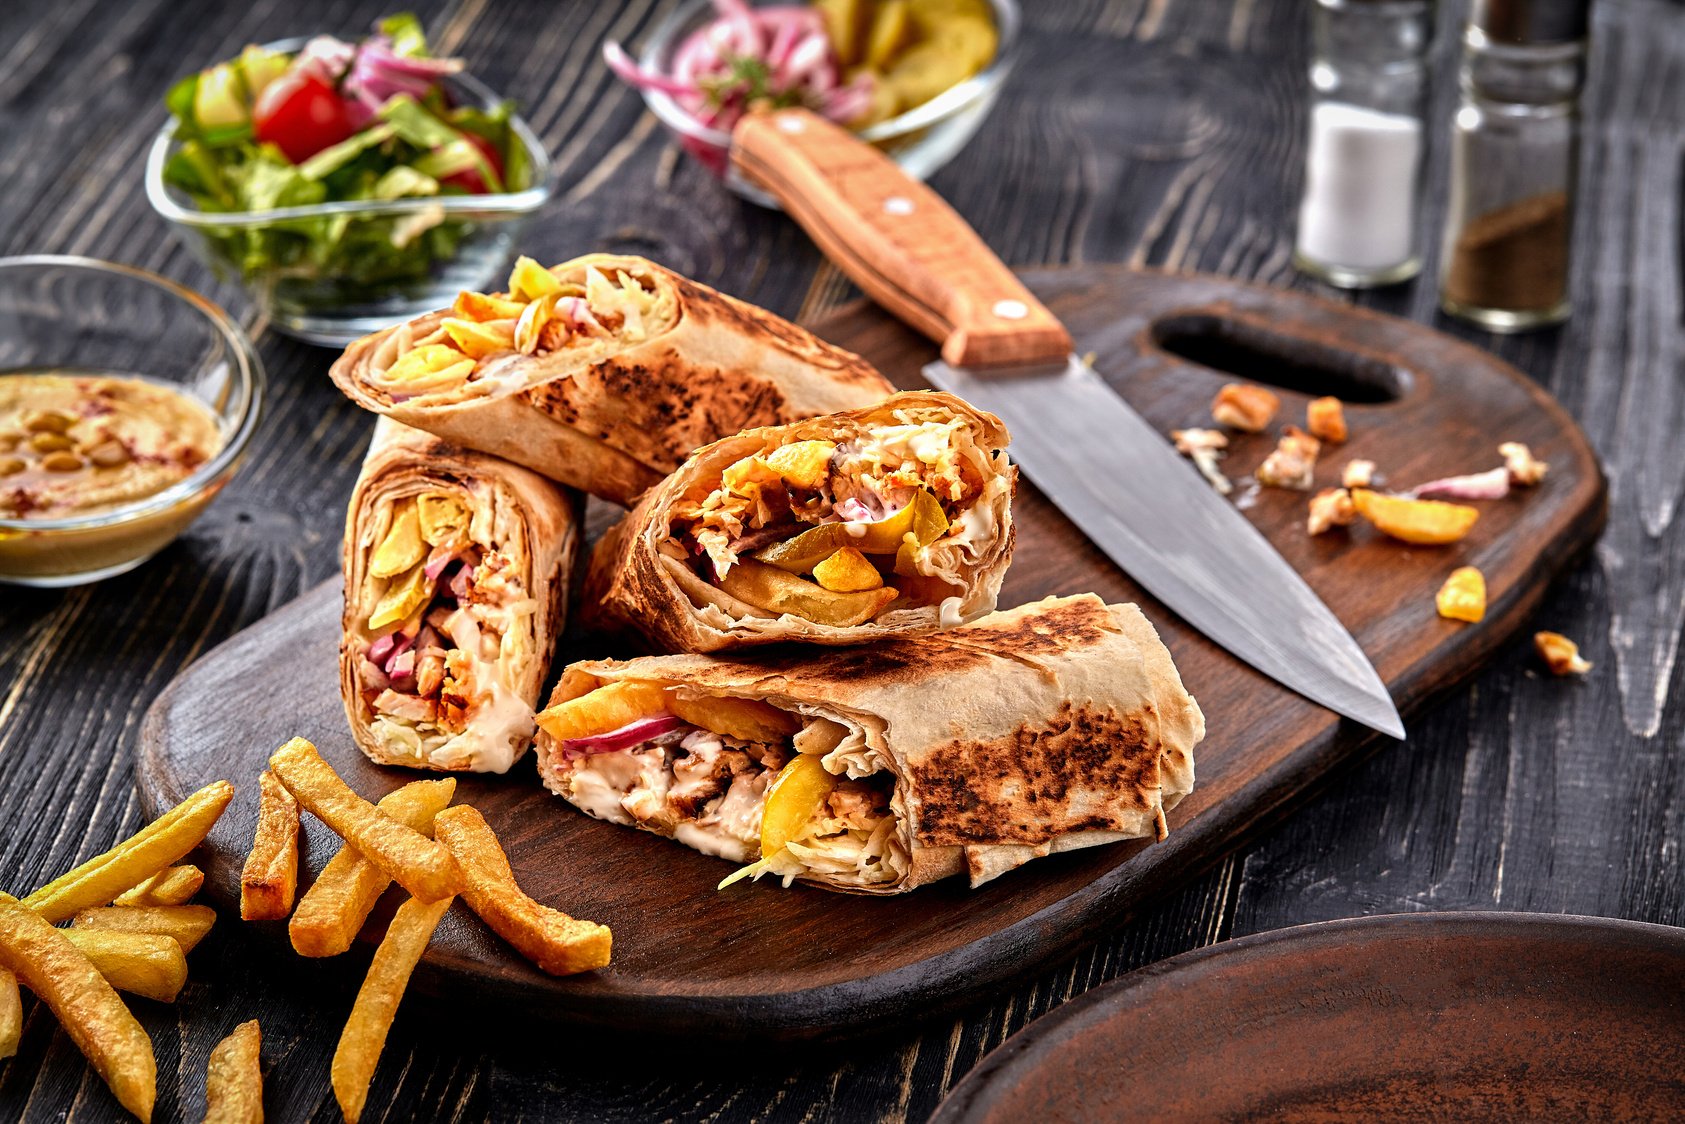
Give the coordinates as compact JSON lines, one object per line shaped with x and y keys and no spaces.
{"x":171,"y":886}
{"x":185,"y":924}
{"x":415,"y":862}
{"x":332,"y":911}
{"x":143,"y":964}
{"x":234,"y":1078}
{"x":270,"y":877}
{"x":377,"y":1001}
{"x":65,"y":980}
{"x":557,"y":943}
{"x":11,"y":1013}
{"x":136,"y":859}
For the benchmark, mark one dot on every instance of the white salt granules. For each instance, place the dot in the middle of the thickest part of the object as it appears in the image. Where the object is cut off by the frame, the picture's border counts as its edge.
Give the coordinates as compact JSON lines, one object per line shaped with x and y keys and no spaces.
{"x":1357,"y":215}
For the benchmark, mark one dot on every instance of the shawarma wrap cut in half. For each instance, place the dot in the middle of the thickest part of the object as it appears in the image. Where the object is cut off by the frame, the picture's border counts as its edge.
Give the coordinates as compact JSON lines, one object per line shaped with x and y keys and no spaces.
{"x":603,"y":372}
{"x":1044,"y":728}
{"x":886,"y":521}
{"x":456,"y":571}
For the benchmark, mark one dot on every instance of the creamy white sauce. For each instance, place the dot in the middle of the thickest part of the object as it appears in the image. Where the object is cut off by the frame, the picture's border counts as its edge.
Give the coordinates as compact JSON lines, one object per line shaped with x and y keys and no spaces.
{"x":711,"y":840}
{"x":951,"y":617}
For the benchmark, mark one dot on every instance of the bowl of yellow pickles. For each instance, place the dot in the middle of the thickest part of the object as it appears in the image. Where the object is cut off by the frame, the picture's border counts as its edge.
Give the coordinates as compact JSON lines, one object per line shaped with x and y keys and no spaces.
{"x":914,"y":77}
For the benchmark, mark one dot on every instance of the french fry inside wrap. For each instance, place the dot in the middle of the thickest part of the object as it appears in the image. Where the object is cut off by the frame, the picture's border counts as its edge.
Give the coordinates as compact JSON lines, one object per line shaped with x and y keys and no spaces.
{"x":603,"y":372}
{"x":886,"y":521}
{"x":1052,"y":726}
{"x":456,"y":572}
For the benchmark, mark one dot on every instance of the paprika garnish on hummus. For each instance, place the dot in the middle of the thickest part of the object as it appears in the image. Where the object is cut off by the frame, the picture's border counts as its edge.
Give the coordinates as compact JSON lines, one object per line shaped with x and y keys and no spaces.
{"x":79,"y":444}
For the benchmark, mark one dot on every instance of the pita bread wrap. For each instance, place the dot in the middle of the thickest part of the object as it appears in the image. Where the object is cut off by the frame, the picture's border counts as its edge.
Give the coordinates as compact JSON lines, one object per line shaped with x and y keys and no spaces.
{"x":703,"y":564}
{"x":456,"y":573}
{"x":603,"y":372}
{"x":1052,"y":726}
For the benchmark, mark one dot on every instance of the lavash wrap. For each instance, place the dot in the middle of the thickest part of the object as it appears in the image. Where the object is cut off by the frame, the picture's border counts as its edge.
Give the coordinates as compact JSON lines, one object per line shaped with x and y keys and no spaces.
{"x":631,"y":586}
{"x":1052,"y":726}
{"x":614,"y":424}
{"x":531,"y":520}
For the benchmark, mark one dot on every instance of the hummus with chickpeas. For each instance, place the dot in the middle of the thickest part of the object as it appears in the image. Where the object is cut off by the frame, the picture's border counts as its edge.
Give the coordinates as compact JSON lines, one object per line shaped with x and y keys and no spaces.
{"x":77,"y":445}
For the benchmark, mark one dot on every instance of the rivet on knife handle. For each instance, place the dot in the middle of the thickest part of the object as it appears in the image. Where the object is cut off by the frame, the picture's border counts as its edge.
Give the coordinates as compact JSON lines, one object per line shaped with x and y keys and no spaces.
{"x":898,"y":240}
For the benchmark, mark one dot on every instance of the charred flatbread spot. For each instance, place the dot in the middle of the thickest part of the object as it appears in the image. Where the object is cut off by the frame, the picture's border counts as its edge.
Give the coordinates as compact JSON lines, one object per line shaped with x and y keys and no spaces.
{"x":654,"y":412}
{"x":1083,"y":770}
{"x":1065,"y":627}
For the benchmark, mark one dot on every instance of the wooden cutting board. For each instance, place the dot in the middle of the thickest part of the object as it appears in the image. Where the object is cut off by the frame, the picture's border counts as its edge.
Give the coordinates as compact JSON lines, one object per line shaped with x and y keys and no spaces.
{"x":760,"y":962}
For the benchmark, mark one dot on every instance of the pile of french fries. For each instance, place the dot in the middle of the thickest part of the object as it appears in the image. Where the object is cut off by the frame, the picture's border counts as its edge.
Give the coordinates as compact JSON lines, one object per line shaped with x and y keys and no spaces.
{"x":413,"y":837}
{"x":132,"y":923}
{"x":132,"y":926}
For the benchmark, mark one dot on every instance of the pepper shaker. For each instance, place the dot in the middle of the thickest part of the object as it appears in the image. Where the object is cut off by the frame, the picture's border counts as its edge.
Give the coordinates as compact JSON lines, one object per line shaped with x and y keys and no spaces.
{"x":1357,"y":215}
{"x":1515,"y":145}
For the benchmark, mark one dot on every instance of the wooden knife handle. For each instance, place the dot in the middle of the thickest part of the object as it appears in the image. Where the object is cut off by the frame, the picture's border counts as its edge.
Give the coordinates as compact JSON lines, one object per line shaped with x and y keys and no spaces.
{"x":897,"y":239}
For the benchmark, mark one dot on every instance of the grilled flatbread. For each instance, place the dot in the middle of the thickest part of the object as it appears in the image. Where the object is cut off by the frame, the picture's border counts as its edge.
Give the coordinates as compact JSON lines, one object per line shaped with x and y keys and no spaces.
{"x":874,"y":770}
{"x":456,"y":573}
{"x":885,"y":521}
{"x":602,"y":373}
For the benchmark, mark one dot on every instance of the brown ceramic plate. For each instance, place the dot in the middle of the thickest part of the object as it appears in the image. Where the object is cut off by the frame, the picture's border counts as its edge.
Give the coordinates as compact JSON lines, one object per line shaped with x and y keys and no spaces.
{"x":1425,"y":1016}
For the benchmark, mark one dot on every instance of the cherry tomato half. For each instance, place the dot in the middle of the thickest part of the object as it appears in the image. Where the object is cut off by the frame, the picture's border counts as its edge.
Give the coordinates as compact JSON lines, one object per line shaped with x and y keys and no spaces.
{"x":470,"y":179}
{"x":301,"y":115}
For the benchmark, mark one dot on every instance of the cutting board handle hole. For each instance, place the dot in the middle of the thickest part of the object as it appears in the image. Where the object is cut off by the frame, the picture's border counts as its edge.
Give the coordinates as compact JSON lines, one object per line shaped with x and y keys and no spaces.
{"x":1257,"y":354}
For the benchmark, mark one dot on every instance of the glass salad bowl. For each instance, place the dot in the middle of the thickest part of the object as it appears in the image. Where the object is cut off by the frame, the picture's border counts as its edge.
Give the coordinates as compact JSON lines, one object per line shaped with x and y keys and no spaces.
{"x":331,"y":272}
{"x":93,"y":320}
{"x":921,"y":140}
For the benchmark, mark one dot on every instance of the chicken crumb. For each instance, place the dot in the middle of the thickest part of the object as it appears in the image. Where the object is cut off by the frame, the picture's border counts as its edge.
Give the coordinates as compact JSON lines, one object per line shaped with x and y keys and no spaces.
{"x":1246,"y":408}
{"x":1204,"y":447}
{"x":1292,"y":462}
{"x":1326,"y":419}
{"x":1330,"y":508}
{"x":1561,"y":654}
{"x":1358,"y":474}
{"x":1524,"y":470}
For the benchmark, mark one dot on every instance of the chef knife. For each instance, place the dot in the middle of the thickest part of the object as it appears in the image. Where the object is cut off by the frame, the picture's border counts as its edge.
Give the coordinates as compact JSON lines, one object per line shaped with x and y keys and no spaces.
{"x":1097,"y":459}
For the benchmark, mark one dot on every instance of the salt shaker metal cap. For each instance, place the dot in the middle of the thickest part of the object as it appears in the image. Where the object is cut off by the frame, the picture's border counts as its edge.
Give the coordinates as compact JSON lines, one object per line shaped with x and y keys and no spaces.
{"x":1530,"y":22}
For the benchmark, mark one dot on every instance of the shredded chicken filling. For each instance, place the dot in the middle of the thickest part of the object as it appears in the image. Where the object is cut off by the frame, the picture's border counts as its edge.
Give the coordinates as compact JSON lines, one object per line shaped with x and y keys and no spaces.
{"x":838,"y":532}
{"x":717,"y":793}
{"x":450,"y":618}
{"x":539,"y":315}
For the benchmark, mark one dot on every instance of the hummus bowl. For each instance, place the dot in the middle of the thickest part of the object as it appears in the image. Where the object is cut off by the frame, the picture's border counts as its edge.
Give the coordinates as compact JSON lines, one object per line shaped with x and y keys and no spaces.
{"x":126,"y":404}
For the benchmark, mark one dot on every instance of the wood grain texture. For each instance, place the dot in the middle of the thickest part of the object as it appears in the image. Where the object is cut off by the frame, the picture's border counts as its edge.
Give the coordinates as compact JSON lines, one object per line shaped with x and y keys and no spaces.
{"x":1159,"y":132}
{"x":897,"y":239}
{"x":761,"y":962}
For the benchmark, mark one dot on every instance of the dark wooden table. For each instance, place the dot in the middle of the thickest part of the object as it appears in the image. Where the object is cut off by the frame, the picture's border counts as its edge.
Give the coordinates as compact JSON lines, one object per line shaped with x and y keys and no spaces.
{"x":1165,"y":132}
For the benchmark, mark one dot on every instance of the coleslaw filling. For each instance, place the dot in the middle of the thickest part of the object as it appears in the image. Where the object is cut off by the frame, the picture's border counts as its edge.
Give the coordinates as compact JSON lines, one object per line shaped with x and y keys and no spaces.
{"x":888,"y":515}
{"x":711,"y":791}
{"x":459,"y":357}
{"x":451,"y":623}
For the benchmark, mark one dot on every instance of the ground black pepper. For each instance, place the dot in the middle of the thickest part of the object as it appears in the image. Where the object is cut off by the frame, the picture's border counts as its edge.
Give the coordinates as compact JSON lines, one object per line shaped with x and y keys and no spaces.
{"x":1514,"y":257}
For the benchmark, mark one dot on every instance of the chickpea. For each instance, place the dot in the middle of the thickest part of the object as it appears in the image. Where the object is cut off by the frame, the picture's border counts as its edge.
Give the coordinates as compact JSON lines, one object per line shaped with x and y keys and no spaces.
{"x":48,"y":421}
{"x":110,"y":453}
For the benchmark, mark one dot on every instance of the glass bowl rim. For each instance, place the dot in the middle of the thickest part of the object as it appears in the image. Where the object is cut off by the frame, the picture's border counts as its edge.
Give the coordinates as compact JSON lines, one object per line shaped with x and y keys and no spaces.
{"x":956,"y":97}
{"x":512,"y":202}
{"x":249,"y":384}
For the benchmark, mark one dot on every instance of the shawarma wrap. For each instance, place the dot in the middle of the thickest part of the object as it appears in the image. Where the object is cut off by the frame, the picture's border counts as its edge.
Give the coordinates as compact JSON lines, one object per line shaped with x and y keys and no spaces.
{"x":456,"y":573}
{"x":885,"y":521}
{"x":1052,"y":726}
{"x":603,"y":372}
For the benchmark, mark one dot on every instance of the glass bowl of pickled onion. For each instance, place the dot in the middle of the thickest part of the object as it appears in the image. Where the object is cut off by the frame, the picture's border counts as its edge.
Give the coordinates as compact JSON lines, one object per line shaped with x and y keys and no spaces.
{"x":916,"y":84}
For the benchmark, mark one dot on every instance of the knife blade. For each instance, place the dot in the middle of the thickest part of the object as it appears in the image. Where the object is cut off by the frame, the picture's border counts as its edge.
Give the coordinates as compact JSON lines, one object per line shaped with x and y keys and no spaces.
{"x":1093,"y":456}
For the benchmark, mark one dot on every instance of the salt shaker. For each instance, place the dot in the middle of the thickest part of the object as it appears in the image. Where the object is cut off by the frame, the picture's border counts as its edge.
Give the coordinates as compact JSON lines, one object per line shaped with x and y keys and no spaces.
{"x":1515,"y":143}
{"x":1357,"y":216}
